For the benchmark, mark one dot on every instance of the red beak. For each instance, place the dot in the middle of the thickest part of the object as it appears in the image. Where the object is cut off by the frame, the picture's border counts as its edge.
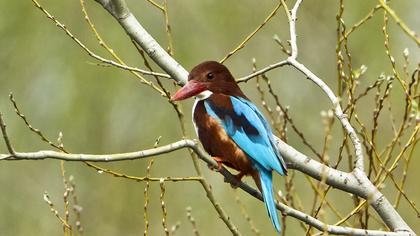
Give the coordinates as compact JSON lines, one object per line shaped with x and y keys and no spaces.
{"x":192,"y":88}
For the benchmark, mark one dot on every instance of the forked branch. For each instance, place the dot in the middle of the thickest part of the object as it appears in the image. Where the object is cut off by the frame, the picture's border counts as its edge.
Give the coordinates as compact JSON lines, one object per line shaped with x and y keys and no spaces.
{"x":295,"y":160}
{"x":356,"y":182}
{"x":365,"y":188}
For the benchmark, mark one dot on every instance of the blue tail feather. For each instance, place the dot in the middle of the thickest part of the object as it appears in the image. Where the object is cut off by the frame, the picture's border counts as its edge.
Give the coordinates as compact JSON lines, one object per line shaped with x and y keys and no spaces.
{"x":267,"y":192}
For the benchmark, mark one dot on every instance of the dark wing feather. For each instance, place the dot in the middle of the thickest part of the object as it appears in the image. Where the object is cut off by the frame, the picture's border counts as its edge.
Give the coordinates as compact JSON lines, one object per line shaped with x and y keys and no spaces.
{"x":247,"y":128}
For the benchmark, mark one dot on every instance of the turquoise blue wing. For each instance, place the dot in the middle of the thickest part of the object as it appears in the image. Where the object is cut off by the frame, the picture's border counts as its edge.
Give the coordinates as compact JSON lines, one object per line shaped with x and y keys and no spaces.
{"x":249,"y":130}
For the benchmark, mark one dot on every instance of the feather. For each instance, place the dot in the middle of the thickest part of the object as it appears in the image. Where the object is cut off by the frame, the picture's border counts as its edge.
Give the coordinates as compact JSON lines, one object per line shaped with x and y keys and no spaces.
{"x":248,"y":129}
{"x":270,"y":132}
{"x":267,"y":192}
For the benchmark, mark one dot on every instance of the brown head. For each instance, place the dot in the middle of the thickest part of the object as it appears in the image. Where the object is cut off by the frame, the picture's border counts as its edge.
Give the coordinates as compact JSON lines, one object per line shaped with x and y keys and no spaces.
{"x":209,"y":76}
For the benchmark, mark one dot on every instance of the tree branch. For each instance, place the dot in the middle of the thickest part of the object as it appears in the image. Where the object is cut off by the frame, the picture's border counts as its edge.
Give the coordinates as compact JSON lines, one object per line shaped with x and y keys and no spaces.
{"x":363,"y":188}
{"x":411,"y":33}
{"x":92,"y":54}
{"x":295,"y":160}
{"x":292,"y":26}
{"x":6,"y":137}
{"x":337,"y":109}
{"x":263,"y":71}
{"x":47,"y":154}
{"x":135,"y":30}
{"x":355,"y":182}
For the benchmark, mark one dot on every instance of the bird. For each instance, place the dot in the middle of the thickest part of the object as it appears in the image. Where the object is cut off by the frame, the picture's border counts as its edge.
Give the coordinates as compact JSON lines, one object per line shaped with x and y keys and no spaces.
{"x":232,"y":129}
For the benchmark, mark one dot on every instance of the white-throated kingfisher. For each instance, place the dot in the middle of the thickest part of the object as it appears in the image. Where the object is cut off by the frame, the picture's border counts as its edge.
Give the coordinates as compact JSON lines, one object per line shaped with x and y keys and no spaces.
{"x":232,"y":129}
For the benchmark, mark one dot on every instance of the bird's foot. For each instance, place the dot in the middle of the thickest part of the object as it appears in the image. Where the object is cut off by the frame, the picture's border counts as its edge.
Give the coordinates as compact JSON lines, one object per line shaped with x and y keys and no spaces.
{"x":219,"y":162}
{"x":238,"y":179}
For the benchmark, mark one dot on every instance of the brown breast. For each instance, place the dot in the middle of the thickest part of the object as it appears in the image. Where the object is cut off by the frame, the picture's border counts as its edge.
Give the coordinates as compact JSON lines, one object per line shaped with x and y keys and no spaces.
{"x":216,"y":141}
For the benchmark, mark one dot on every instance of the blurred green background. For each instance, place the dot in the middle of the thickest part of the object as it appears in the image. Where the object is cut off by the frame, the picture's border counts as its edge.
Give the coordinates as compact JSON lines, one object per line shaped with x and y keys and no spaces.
{"x":106,"y":110}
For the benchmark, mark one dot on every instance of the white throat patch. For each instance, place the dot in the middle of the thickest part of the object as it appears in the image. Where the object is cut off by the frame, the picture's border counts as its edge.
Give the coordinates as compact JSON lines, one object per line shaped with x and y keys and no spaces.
{"x":203,"y":95}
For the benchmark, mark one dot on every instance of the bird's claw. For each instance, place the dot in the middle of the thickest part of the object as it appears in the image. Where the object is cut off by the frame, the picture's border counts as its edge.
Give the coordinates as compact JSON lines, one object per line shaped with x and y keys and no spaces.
{"x":219,"y":162}
{"x":238,"y":179}
{"x":218,"y":168}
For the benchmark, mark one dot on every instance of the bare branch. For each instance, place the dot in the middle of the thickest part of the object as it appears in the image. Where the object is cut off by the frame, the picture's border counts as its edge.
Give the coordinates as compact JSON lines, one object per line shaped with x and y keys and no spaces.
{"x":242,"y":44}
{"x":6,"y":138}
{"x":163,"y":206}
{"x":135,"y":30}
{"x":192,"y":221}
{"x":92,"y":54}
{"x":55,"y":212}
{"x":263,"y":71}
{"x":355,"y":182}
{"x":292,"y":25}
{"x":362,"y":186}
{"x":337,"y":109}
{"x":295,"y":160}
{"x":411,"y":33}
{"x":103,"y":158}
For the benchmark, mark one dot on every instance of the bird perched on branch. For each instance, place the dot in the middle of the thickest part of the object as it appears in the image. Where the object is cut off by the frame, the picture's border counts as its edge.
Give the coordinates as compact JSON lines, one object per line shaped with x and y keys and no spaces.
{"x":232,"y":129}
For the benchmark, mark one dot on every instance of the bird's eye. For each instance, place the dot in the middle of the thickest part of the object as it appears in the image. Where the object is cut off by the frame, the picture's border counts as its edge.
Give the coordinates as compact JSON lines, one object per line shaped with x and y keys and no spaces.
{"x":210,"y":76}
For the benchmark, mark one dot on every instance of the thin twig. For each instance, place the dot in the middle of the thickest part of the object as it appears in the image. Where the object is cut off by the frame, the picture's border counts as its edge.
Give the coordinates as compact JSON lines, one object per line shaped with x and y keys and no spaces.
{"x":77,"y":209}
{"x":262,"y":71}
{"x":282,"y":47}
{"x":399,"y":22}
{"x":5,"y":136}
{"x":361,"y":22}
{"x":246,"y":216}
{"x":78,"y":42}
{"x":54,"y":211}
{"x":292,"y":26}
{"x":192,"y":221}
{"x":163,"y":206}
{"x":146,"y":199}
{"x":242,"y":44}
